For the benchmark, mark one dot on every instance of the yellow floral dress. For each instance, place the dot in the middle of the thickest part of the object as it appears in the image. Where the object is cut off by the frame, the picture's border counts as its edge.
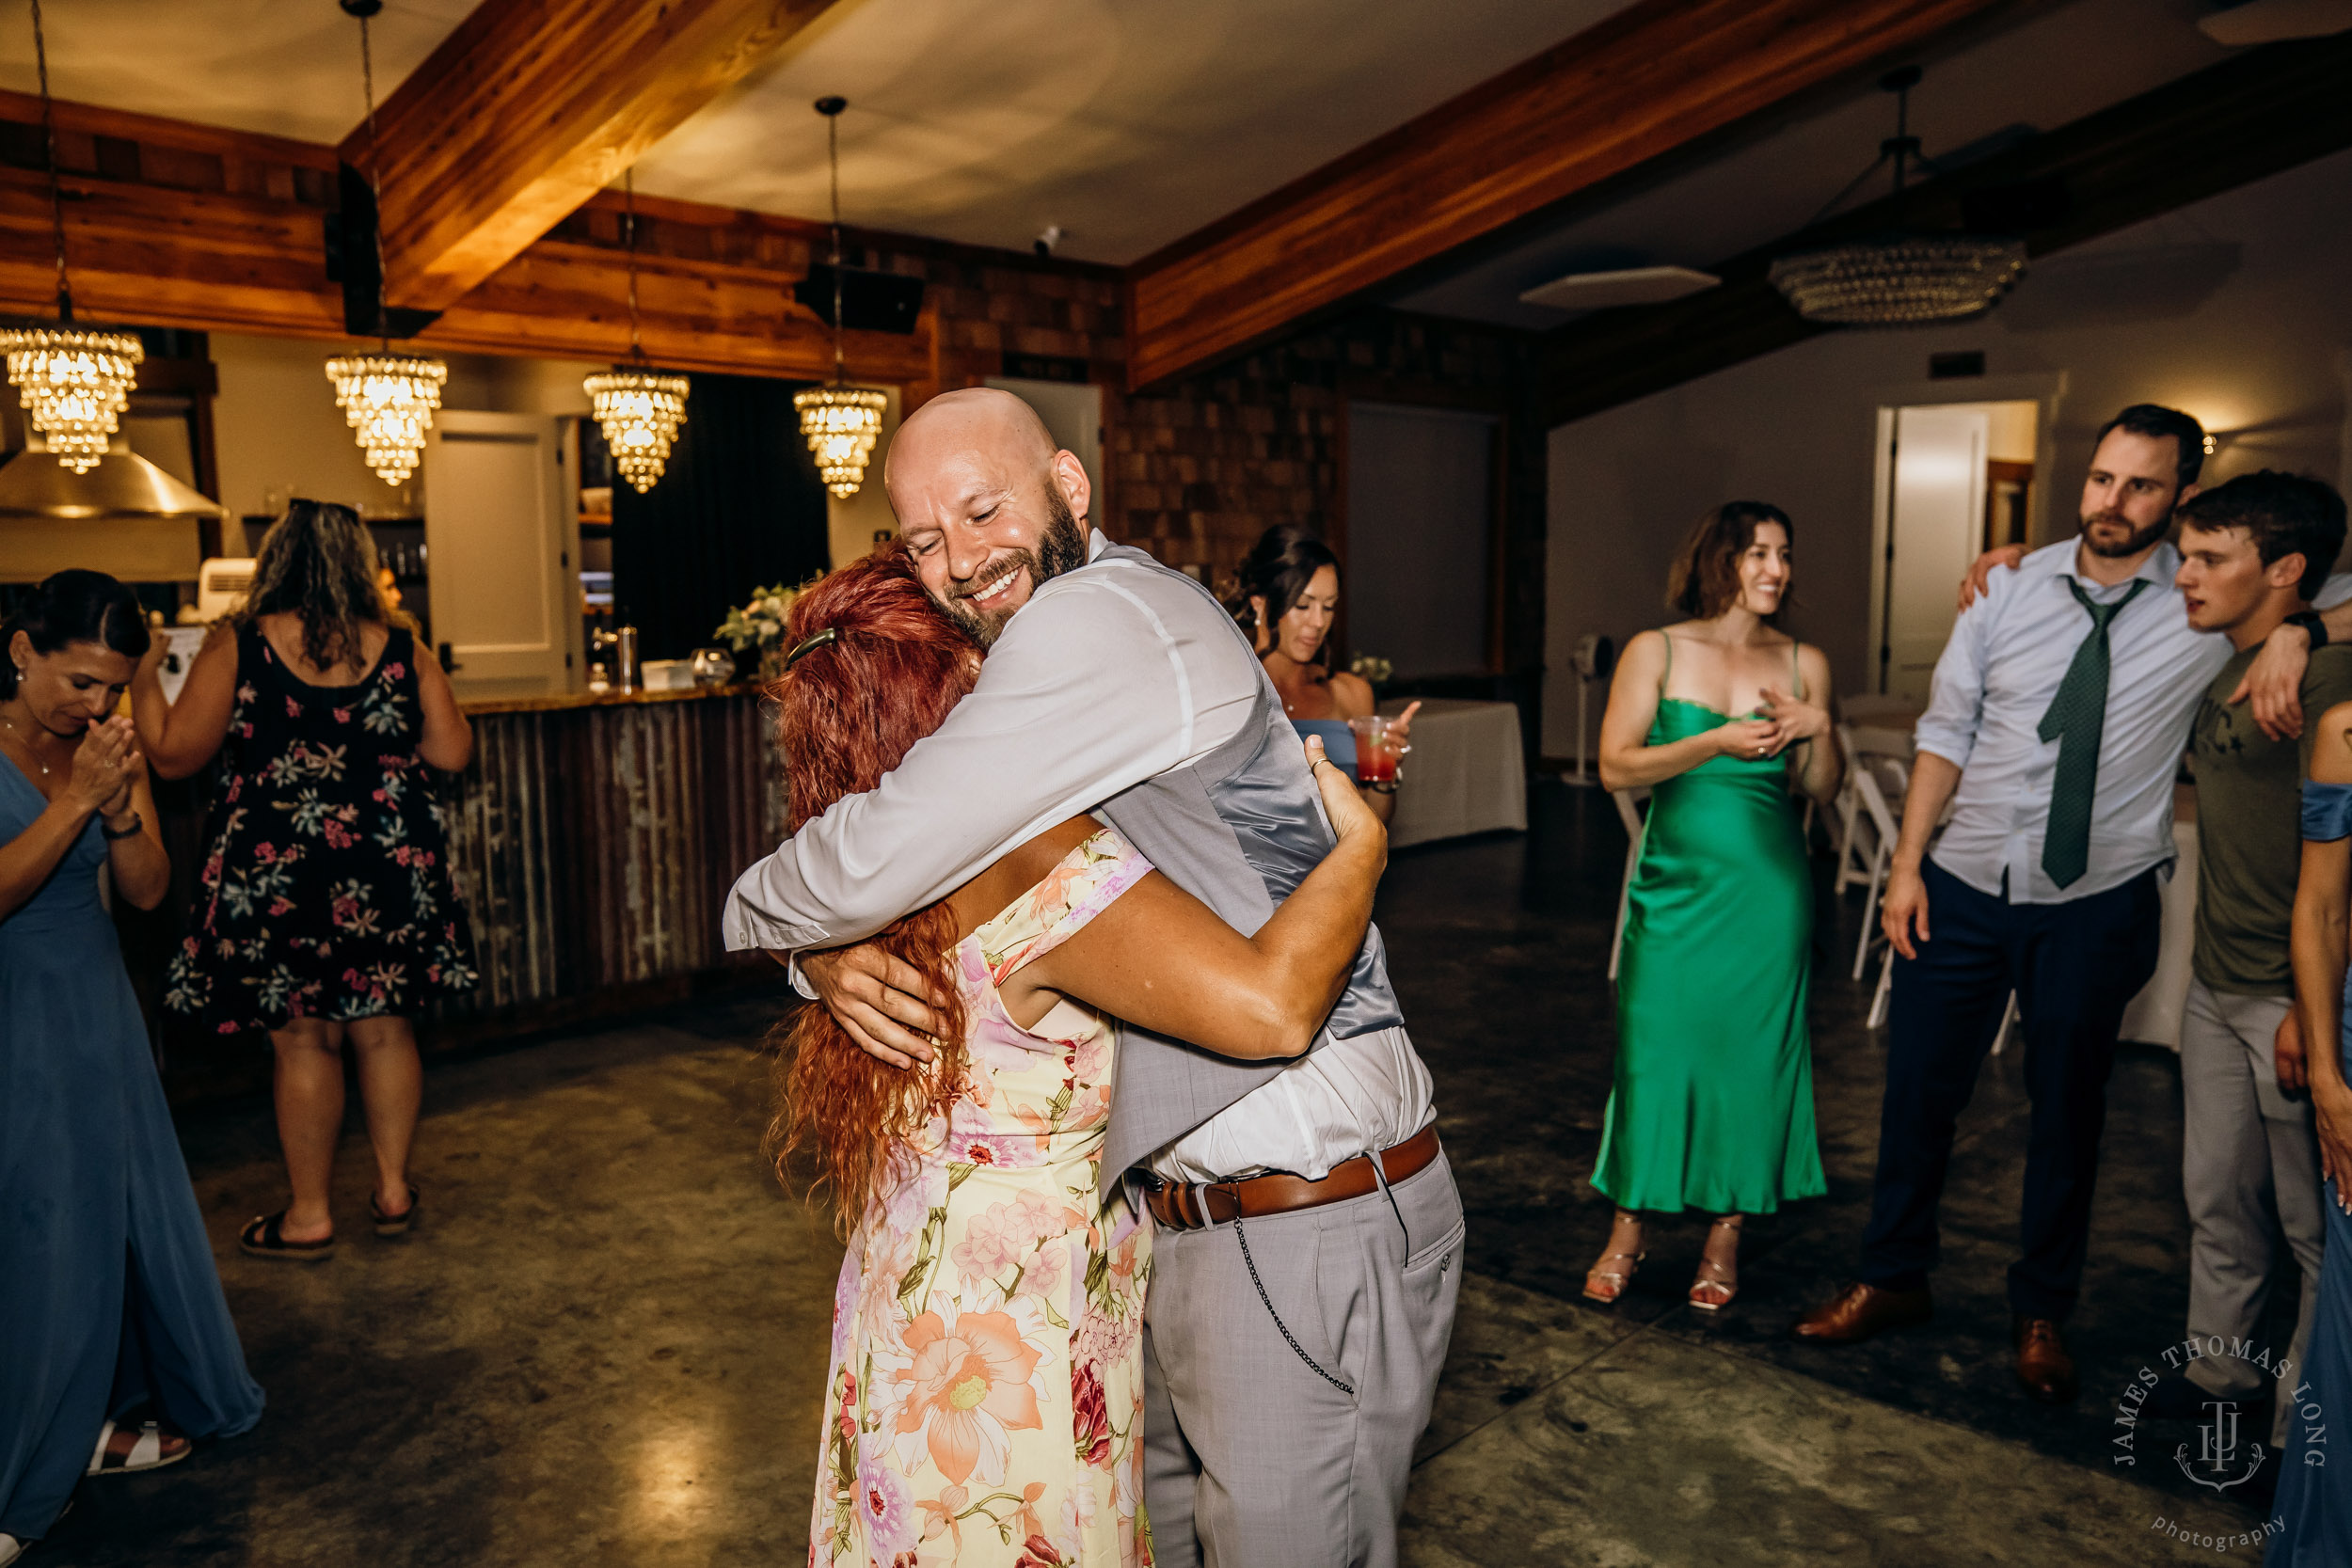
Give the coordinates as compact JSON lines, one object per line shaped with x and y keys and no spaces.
{"x":984,"y":1404}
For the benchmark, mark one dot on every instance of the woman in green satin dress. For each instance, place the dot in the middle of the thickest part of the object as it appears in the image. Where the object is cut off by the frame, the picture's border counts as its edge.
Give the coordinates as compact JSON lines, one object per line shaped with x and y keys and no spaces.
{"x":1712,"y":1107}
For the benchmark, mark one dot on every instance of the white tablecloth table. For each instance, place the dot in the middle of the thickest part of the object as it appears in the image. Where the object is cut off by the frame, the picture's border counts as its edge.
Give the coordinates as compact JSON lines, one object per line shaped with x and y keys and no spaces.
{"x":1465,"y":774}
{"x":2155,"y":1016}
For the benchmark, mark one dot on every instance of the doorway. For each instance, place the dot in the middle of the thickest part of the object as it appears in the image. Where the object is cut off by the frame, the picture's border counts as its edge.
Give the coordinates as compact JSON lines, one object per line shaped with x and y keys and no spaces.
{"x":1420,"y":547}
{"x":1072,"y":414}
{"x":1957,"y":479}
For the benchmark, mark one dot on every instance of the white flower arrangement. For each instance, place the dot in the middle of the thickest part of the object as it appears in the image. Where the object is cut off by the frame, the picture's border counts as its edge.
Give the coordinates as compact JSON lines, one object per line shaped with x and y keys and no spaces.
{"x":758,"y":625}
{"x":1372,"y":668}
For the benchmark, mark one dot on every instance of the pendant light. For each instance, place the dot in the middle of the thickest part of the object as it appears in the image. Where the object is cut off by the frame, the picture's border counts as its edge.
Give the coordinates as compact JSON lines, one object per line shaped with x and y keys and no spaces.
{"x":1903,"y":277}
{"x":389,"y":398}
{"x":639,"y":410}
{"x":75,"y":381}
{"x":841,"y":423}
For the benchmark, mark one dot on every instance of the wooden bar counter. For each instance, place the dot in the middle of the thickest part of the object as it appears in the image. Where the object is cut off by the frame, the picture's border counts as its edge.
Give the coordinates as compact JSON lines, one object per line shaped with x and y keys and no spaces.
{"x":593,"y":839}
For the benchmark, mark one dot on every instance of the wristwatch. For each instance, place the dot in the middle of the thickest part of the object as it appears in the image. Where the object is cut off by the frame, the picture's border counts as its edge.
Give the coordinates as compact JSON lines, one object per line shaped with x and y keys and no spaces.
{"x":2308,"y":620}
{"x":108,"y":833}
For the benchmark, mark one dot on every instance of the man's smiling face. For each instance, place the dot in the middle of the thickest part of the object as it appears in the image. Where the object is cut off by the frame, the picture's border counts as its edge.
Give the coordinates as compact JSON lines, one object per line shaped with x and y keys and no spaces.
{"x":987,"y":506}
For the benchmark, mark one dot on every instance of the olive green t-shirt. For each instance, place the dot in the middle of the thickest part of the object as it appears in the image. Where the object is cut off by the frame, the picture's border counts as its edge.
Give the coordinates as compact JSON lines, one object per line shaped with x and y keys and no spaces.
{"x":2249,"y":839}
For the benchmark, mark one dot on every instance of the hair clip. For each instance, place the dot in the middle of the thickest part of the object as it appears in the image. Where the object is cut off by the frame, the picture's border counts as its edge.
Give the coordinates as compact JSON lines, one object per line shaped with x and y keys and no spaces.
{"x":831,"y":634}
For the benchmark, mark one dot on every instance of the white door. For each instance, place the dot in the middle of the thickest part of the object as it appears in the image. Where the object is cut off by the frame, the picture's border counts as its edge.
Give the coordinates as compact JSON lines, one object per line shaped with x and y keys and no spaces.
{"x":1938,"y":517}
{"x":499,"y":526}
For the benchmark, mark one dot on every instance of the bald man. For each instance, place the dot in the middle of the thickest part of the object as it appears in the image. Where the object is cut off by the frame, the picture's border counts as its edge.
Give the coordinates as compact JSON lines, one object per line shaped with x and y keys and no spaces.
{"x":1307,"y":1237}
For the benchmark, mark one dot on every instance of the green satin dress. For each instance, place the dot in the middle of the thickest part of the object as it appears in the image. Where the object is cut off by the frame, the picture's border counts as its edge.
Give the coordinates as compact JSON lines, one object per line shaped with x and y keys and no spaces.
{"x":1712,"y":1107}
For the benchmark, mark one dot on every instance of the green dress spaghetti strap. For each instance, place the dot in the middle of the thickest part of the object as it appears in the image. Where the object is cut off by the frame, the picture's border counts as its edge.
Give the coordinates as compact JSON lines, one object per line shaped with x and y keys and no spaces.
{"x":1712,"y":1105}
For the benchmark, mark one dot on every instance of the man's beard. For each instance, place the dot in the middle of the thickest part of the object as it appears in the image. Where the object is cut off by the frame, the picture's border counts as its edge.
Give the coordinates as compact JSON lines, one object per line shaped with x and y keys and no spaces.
{"x":1062,"y":547}
{"x":2133,"y":542}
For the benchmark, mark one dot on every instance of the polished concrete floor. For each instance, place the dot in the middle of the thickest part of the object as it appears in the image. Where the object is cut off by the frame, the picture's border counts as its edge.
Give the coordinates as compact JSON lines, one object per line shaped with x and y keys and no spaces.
{"x":606,"y":1341}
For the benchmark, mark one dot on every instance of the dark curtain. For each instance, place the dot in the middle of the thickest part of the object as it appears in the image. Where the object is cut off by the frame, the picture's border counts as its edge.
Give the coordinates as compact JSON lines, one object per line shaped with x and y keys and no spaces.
{"x":740,"y":506}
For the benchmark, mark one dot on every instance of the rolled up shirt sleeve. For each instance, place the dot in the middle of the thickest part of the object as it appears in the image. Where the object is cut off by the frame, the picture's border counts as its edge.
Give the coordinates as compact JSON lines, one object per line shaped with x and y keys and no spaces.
{"x":1083,"y":696}
{"x":1956,"y":696}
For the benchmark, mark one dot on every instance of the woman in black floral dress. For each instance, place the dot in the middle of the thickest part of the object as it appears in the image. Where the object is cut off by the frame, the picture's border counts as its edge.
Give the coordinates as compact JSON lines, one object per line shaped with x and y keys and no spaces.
{"x":325,"y":911}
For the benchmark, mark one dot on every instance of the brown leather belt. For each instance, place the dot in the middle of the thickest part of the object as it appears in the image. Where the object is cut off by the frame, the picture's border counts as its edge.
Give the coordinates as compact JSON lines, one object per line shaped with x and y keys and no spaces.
{"x":1180,"y":1207}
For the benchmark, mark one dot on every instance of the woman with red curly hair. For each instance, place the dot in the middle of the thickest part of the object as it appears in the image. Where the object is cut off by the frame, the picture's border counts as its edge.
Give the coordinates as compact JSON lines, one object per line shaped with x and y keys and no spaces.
{"x":985,"y":1396}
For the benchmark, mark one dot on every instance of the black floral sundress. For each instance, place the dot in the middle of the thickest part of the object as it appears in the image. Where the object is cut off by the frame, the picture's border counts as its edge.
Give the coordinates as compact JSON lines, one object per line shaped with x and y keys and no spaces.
{"x":328,"y":892}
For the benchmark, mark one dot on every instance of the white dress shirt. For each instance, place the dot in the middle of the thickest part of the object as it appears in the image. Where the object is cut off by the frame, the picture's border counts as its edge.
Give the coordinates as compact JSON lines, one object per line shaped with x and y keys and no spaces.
{"x":1997,"y":676}
{"x":1104,"y":678}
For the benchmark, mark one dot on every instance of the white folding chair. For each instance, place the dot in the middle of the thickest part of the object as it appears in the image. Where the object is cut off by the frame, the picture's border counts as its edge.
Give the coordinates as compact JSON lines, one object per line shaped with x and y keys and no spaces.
{"x":1874,"y":777}
{"x":1628,"y":810}
{"x":1852,"y":859}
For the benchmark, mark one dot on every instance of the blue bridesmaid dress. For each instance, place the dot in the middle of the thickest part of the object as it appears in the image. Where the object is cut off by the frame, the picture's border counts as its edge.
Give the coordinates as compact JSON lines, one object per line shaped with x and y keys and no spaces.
{"x":108,"y":1293}
{"x":2313,"y":1504}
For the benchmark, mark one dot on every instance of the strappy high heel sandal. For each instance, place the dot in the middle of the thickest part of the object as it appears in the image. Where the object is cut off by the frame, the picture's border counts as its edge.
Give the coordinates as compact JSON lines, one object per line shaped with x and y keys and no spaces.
{"x":1715,"y":1285}
{"x":1606,"y":1285}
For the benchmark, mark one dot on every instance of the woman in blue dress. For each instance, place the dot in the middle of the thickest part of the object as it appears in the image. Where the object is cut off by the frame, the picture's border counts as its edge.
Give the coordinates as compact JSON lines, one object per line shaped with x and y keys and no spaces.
{"x":2313,"y":1505}
{"x":110,"y":1300}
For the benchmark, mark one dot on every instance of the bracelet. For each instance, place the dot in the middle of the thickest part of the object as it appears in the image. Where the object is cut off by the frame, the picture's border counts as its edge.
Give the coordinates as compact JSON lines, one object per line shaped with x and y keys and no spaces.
{"x":1388,"y":788}
{"x":110,"y":835}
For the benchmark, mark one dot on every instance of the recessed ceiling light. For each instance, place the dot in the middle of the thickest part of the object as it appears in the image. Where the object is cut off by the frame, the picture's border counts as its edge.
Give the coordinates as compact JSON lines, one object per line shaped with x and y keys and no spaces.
{"x":1590,"y":291}
{"x":2275,"y":21}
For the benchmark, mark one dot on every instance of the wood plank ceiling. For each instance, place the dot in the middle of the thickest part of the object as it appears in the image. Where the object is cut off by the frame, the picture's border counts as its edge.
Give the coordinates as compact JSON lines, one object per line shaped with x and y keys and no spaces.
{"x":529,"y":109}
{"x":1650,"y":79}
{"x":2252,"y":115}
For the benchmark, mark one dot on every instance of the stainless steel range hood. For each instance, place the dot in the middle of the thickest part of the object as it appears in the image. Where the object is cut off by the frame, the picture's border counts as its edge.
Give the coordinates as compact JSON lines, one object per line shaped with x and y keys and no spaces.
{"x":125,"y":515}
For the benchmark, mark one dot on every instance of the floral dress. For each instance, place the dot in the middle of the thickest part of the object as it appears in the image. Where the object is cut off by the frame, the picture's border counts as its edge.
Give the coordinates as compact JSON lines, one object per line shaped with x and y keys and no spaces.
{"x":326,"y":893}
{"x":984,"y":1405}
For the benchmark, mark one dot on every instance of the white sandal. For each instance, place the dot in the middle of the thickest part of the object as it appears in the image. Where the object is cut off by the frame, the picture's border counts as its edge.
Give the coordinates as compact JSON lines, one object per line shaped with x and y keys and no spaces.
{"x":1715,"y":1277}
{"x":146,"y":1454}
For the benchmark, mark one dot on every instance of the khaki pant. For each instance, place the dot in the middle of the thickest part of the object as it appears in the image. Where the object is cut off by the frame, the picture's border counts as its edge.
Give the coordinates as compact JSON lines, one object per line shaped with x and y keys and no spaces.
{"x":1252,"y":1459}
{"x":2246,"y":1151}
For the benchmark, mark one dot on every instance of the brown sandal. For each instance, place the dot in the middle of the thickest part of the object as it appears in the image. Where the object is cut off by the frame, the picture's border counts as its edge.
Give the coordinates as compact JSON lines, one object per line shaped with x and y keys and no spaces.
{"x":393,"y":1225}
{"x":265,"y":1238}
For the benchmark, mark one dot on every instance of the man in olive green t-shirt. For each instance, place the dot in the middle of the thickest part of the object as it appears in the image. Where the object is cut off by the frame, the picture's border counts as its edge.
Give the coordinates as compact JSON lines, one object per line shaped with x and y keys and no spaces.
{"x":2251,"y":551}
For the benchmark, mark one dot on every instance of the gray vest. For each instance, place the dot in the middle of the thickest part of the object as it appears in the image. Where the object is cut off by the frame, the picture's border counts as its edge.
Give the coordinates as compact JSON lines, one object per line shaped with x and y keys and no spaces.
{"x":1238,"y":830}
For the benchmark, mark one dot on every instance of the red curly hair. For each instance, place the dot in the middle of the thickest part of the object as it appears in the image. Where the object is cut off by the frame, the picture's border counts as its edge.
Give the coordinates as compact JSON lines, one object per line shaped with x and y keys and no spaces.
{"x":848,"y":710}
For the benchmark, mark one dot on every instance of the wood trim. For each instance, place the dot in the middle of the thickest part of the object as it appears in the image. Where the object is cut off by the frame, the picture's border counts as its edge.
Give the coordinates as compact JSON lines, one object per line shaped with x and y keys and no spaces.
{"x":2256,"y":114}
{"x":528,"y":107}
{"x":94,"y":119}
{"x":1650,"y":79}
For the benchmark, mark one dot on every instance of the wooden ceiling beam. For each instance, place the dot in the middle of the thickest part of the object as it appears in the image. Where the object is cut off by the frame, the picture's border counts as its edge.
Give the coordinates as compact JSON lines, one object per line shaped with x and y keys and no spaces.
{"x":529,"y":109}
{"x":2253,"y":115}
{"x":1652,"y":78}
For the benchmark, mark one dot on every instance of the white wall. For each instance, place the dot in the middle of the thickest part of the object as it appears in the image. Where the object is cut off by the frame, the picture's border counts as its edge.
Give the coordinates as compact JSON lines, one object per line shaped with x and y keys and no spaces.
{"x":2259,"y":358}
{"x":850,"y":525}
{"x":277,"y":433}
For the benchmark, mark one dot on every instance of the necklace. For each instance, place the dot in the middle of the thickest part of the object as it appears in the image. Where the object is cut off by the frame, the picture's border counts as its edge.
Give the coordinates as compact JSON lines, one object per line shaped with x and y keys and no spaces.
{"x":29,"y":751}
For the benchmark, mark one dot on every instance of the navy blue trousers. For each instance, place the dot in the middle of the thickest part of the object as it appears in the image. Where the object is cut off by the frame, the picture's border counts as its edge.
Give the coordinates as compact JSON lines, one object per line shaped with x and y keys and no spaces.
{"x":2074,"y":967}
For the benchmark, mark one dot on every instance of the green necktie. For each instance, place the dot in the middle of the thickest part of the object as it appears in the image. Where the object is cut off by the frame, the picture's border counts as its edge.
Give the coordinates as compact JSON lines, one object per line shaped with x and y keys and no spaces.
{"x":2077,"y":714}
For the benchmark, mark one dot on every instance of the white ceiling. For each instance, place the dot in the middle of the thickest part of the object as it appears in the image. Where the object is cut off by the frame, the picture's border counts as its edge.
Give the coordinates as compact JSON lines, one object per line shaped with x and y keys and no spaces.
{"x":288,"y":67}
{"x":1131,"y":122}
{"x":1126,"y":122}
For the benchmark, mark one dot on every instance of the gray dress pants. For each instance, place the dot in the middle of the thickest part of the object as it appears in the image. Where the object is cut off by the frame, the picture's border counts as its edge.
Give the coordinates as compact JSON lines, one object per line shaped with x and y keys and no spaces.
{"x":1251,"y":1458}
{"x":2245,"y":1147}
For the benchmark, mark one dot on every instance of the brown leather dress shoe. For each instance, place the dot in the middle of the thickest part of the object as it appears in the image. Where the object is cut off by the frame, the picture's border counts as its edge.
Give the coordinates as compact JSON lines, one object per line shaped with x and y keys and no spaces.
{"x":1862,"y":1311}
{"x":2043,"y":1367}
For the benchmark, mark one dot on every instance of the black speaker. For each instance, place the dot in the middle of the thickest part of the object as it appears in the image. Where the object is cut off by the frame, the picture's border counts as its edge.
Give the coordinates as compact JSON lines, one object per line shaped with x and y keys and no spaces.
{"x":870,"y":301}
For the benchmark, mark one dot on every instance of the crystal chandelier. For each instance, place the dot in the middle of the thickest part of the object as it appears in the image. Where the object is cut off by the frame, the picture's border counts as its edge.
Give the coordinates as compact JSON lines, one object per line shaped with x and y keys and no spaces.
{"x":1901,"y":279}
{"x":75,"y":385}
{"x":840,"y":423}
{"x":639,"y":410}
{"x":1898,"y":281}
{"x":75,"y":382}
{"x":388,"y":398}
